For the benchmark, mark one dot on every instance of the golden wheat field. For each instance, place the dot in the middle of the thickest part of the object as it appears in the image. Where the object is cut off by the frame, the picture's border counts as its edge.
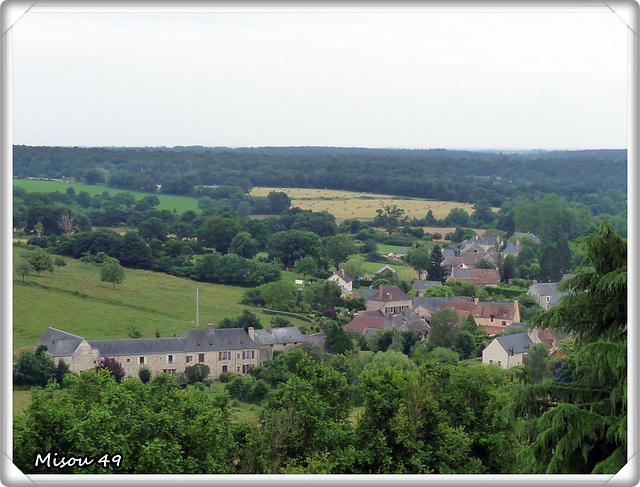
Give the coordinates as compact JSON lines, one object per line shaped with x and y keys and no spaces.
{"x":348,"y":204}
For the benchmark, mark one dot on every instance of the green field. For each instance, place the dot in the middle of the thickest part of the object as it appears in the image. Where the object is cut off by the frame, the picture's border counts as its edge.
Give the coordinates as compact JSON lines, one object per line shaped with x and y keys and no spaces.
{"x":167,"y":201}
{"x":75,"y":300}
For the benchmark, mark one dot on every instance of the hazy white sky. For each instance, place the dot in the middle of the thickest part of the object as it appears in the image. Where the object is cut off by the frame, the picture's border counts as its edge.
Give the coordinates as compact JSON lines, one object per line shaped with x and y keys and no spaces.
{"x":419,"y":80}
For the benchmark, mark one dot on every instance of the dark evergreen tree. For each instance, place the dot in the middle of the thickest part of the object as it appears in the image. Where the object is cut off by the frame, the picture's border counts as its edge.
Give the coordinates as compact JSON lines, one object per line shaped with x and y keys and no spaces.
{"x":436,"y":271}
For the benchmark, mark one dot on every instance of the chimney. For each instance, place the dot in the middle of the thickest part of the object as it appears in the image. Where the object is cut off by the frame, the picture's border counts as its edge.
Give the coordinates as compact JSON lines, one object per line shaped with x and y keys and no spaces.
{"x":515,"y":304}
{"x":476,"y":300}
{"x":252,"y":332}
{"x":211,"y":327}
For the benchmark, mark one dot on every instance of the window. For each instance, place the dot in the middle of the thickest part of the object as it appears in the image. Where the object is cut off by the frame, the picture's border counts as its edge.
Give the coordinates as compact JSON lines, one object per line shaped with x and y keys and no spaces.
{"x":224,"y":368}
{"x":500,"y":363}
{"x":128,"y":360}
{"x":169,"y":359}
{"x":490,"y":362}
{"x":243,"y":357}
{"x":201,"y":357}
{"x":491,"y":318}
{"x":169,"y":371}
{"x":142,"y":360}
{"x":244,"y":369}
{"x":189,"y":359}
{"x":253,"y":354}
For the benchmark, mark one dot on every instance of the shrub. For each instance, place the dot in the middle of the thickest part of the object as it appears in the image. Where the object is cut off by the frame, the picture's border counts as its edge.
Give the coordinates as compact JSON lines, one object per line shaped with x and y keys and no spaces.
{"x":144,"y":374}
{"x":196,"y":373}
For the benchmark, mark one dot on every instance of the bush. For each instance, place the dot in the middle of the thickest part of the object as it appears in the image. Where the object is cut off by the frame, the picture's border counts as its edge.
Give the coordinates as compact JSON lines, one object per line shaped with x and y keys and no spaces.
{"x":196,"y":373}
{"x":225,"y":377}
{"x":144,"y":374}
{"x":33,"y":368}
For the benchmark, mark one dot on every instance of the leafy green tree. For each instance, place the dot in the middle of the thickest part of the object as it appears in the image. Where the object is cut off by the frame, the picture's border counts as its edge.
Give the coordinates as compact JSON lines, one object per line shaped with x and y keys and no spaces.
{"x":278,"y":202}
{"x":507,"y":268}
{"x":40,"y":260}
{"x":144,"y":374}
{"x":538,"y":362}
{"x":303,"y":418}
{"x":218,"y":232}
{"x":291,"y":245}
{"x":153,"y":228}
{"x":390,"y":217}
{"x":279,"y":295}
{"x":339,"y":247}
{"x":111,"y":271}
{"x":133,"y":331}
{"x":337,"y":341}
{"x":134,"y":252}
{"x":484,"y":264}
{"x":420,"y":259}
{"x":24,"y":268}
{"x":464,"y":344}
{"x":444,"y":324}
{"x":306,"y":266}
{"x":244,"y":245}
{"x":59,"y":261}
{"x":354,"y":265}
{"x":33,"y":368}
{"x":196,"y":373}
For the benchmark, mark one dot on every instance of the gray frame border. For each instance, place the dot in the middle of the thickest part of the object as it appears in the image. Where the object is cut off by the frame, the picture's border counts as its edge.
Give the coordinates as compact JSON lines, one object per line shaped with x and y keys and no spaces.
{"x":12,"y":10}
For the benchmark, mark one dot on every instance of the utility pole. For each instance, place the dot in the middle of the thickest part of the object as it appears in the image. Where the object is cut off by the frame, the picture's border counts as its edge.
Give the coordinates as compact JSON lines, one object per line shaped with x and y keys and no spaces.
{"x":197,"y":306}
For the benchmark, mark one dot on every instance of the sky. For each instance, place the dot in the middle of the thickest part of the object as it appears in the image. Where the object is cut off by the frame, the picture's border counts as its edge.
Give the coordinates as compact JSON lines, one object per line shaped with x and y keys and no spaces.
{"x":407,"y":80}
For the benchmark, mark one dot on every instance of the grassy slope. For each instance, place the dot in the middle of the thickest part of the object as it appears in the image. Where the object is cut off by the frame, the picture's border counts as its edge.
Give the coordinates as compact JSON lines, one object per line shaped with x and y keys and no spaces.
{"x":75,"y":300}
{"x":167,"y":202}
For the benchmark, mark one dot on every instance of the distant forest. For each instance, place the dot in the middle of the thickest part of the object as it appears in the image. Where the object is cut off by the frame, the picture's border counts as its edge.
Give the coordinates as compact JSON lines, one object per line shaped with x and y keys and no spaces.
{"x":450,"y":175}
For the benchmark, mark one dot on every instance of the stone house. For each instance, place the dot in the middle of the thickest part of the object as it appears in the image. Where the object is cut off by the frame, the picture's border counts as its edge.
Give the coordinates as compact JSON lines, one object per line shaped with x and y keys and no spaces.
{"x":478,"y":277}
{"x":223,"y":350}
{"x":273,"y":340}
{"x":487,"y":313}
{"x":390,"y":300}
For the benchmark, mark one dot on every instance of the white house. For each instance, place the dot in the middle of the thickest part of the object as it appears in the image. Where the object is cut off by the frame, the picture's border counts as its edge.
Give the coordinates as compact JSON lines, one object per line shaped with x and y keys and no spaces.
{"x":344,"y":281}
{"x":508,"y":351}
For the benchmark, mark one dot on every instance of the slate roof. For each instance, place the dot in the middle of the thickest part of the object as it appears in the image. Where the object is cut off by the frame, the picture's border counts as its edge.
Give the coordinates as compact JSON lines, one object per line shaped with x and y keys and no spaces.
{"x":385,"y":268}
{"x":410,"y":319}
{"x":390,"y":293}
{"x":516,"y":343}
{"x":433,"y":304}
{"x":424,"y":285}
{"x":511,"y":249}
{"x":59,"y":343}
{"x":368,"y":294}
{"x":548,"y":289}
{"x":274,"y":336}
{"x":342,"y":275}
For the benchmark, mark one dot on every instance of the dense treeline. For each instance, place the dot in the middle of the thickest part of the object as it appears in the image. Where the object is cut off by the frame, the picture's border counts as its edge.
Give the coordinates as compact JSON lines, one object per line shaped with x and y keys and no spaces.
{"x":447,"y":175}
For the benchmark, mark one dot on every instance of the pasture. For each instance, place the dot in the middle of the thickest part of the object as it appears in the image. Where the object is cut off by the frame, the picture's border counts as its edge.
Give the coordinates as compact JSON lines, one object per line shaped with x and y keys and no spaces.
{"x":167,"y":201}
{"x":362,"y":206}
{"x":75,"y":300}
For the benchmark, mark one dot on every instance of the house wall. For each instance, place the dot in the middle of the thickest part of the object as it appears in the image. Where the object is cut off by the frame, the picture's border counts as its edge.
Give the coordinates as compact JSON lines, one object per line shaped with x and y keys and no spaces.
{"x":389,"y":307}
{"x":494,"y":353}
{"x":341,"y":282}
{"x":159,"y":362}
{"x":267,"y":351}
{"x":84,"y":358}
